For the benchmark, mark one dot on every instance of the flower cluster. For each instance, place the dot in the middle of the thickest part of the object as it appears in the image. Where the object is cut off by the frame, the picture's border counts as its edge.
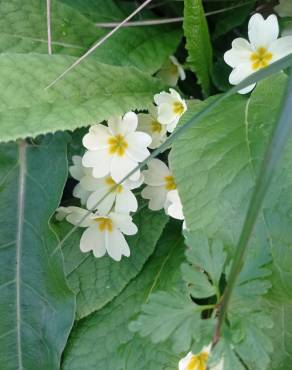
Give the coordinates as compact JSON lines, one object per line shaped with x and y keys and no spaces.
{"x":108,"y":173}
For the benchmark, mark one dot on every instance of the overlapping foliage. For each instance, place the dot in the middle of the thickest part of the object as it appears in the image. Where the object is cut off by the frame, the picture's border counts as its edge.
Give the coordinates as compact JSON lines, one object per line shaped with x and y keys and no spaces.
{"x":63,"y":309}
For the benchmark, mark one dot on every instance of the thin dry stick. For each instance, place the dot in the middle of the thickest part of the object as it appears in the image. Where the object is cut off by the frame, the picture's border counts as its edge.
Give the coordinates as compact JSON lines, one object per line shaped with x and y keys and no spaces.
{"x":100,"y":42}
{"x":154,"y":22}
{"x":49,"y":26}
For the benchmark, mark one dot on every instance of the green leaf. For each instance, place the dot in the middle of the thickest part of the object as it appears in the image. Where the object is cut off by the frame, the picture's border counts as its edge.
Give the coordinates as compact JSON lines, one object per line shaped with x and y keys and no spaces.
{"x":173,"y":314}
{"x":169,"y":315}
{"x":108,"y":328}
{"x":233,"y":18}
{"x":244,"y":343}
{"x":142,"y":354}
{"x":96,"y":281}
{"x":225,"y":349}
{"x":223,"y":154}
{"x":252,"y":283}
{"x":198,"y":42}
{"x":100,"y":11}
{"x":255,"y":348}
{"x":89,"y":94}
{"x":208,"y":261}
{"x":284,"y":9}
{"x":145,"y":48}
{"x":37,"y":308}
{"x":23,"y":28}
{"x":281,"y":335}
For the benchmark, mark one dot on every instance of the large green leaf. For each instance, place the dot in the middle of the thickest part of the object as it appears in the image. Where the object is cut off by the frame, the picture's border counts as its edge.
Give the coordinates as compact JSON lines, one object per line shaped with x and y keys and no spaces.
{"x":89,"y":94}
{"x":146,"y":48}
{"x":37,"y":308}
{"x":282,"y":337}
{"x":101,"y":11}
{"x":95,"y":341}
{"x":223,"y":153}
{"x":169,"y":315}
{"x":198,"y":42}
{"x":233,"y":18}
{"x":97,"y":281}
{"x":284,"y":9}
{"x":23,"y":28}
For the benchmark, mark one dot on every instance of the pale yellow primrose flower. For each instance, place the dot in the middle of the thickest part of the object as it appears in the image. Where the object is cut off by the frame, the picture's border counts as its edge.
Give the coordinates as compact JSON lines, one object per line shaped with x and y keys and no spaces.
{"x":170,"y":108}
{"x":173,"y":206}
{"x":103,"y":234}
{"x":117,"y":149}
{"x":171,"y":71}
{"x":78,"y":171}
{"x":262,"y":49}
{"x":159,"y":182}
{"x":149,"y":123}
{"x":120,"y":197}
{"x":198,"y":361}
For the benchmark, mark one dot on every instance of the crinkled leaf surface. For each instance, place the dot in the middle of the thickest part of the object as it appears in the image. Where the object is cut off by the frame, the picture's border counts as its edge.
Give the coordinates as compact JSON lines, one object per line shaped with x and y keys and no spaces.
{"x":96,"y":281}
{"x":284,"y":9}
{"x":146,"y":48}
{"x":89,"y":94}
{"x":234,"y":17}
{"x":23,"y":28}
{"x":198,"y":42}
{"x":37,"y":308}
{"x":95,"y":341}
{"x":169,"y":315}
{"x":206,"y":265}
{"x":223,"y":153}
{"x":282,"y":337}
{"x":207,"y":258}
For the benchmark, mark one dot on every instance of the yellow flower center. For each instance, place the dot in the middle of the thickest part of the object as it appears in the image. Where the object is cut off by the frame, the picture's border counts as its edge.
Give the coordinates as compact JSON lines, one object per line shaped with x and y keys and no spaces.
{"x":111,"y":183}
{"x":169,"y":183}
{"x":260,"y":58}
{"x":117,"y":145}
{"x":178,"y":108}
{"x":104,"y":224}
{"x":156,"y":126}
{"x":198,"y":362}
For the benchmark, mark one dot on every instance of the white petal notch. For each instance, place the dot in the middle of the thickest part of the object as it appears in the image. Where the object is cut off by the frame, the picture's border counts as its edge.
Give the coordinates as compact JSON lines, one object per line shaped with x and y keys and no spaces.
{"x":263,"y":48}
